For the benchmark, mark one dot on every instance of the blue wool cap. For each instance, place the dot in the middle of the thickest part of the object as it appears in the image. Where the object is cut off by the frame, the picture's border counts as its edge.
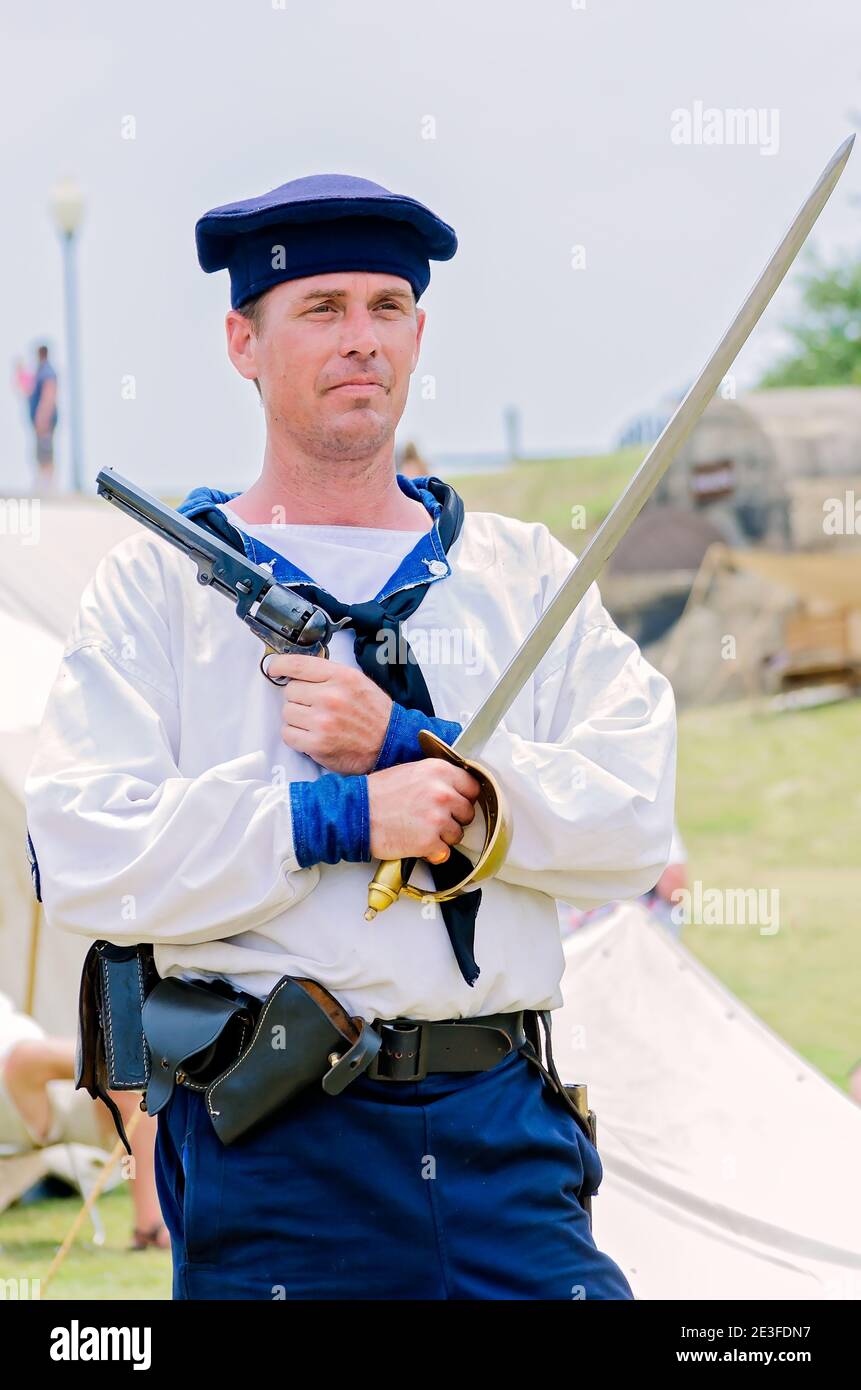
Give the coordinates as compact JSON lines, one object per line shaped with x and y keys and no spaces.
{"x":320,"y":224}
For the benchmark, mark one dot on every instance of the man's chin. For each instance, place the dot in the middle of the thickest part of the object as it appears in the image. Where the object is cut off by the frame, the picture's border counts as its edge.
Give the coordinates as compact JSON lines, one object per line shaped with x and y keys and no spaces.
{"x":349,"y":406}
{"x":357,"y":432}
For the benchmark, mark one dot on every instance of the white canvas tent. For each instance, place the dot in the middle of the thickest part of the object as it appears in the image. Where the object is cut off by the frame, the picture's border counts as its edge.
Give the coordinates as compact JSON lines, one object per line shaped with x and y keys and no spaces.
{"x":44,"y":566}
{"x":43,"y":570}
{"x":732,"y":1167}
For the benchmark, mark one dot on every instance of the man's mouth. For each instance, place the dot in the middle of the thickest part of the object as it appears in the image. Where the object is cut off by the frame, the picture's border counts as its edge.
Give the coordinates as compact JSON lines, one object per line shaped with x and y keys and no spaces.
{"x":357,"y":385}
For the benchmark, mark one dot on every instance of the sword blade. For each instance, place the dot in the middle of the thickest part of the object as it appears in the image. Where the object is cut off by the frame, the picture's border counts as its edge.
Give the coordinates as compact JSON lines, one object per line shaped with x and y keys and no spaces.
{"x":589,"y":565}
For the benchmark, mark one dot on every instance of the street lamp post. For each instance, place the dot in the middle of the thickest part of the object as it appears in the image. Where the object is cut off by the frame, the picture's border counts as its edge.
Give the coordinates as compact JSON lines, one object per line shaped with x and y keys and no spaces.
{"x":67,"y":206}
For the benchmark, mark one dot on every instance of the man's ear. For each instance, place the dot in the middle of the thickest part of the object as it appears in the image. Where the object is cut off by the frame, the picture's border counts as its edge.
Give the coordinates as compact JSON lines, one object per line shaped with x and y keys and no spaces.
{"x":241,"y":344}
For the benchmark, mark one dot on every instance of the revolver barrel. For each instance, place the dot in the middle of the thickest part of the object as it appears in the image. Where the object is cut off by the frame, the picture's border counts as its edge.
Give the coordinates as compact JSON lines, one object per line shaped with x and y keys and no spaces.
{"x":282,"y":619}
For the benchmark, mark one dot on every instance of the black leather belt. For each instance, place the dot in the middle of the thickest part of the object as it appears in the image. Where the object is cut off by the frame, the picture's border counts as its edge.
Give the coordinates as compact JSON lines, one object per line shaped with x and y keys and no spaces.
{"x":412,"y":1048}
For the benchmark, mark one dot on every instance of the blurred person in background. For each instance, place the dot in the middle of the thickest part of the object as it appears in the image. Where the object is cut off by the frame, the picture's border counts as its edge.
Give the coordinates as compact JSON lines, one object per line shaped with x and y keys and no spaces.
{"x":659,"y":900}
{"x":39,"y":389}
{"x":411,"y":463}
{"x":39,"y":1107}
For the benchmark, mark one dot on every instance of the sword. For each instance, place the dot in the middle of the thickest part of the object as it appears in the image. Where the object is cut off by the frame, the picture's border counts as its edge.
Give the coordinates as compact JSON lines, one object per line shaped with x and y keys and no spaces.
{"x":389,"y":882}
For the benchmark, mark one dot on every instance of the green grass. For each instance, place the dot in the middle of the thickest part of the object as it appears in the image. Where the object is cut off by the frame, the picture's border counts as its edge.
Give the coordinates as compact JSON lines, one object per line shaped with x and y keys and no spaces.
{"x":773,"y":801}
{"x":546,"y":490}
{"x":30,"y":1236}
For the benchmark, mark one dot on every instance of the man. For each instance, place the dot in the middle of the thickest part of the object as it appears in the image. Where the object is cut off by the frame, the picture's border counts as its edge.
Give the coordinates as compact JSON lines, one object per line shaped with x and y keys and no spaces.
{"x":179,"y":798}
{"x":42,"y":403}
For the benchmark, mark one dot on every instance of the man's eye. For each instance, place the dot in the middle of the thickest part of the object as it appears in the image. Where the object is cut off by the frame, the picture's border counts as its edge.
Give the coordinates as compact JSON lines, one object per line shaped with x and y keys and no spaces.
{"x":388,"y":304}
{"x":318,"y":307}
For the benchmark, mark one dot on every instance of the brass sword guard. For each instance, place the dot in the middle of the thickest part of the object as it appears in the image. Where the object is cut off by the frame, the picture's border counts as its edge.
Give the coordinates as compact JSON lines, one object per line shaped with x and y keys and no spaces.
{"x":388,"y":884}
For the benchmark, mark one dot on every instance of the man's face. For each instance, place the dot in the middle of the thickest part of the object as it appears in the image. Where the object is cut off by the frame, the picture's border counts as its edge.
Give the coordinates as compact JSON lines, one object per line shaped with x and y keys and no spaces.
{"x":333,"y":357}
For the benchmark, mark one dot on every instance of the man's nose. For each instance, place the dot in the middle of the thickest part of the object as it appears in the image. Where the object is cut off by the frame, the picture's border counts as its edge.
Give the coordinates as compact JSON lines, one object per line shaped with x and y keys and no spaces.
{"x":359,"y":334}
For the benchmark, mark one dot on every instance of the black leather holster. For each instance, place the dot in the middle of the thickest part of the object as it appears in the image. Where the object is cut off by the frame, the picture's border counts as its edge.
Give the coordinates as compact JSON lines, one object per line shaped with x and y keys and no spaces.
{"x":302,"y":1035}
{"x":137,"y":1032}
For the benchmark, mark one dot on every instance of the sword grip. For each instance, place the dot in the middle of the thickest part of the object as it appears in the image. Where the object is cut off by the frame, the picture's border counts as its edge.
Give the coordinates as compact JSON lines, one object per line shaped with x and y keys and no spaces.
{"x":388,"y":884}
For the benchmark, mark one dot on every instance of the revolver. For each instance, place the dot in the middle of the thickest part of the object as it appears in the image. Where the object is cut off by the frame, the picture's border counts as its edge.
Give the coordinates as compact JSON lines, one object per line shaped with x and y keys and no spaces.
{"x":281,"y":618}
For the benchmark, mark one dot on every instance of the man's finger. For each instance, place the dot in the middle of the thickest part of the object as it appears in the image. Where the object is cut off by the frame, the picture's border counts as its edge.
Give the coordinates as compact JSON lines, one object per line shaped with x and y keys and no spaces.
{"x":300,"y":740}
{"x":298,"y":692}
{"x":299,"y":667}
{"x":296,"y":716}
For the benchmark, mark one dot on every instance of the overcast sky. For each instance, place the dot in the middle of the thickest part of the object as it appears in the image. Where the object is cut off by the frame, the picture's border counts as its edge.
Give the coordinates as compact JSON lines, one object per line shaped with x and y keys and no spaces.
{"x":552,"y":128}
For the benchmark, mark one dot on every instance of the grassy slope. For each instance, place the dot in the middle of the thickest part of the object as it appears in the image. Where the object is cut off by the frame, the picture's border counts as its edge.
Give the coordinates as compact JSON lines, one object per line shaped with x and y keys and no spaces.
{"x":547,"y":490}
{"x":773,"y":801}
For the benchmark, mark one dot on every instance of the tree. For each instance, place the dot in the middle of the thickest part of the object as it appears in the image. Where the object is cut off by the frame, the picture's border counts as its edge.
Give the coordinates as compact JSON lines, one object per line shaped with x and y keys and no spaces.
{"x":827,"y":338}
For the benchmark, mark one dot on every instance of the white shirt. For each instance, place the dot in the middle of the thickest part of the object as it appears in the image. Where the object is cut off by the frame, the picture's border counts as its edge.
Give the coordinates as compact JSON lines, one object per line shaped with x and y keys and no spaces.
{"x":158,"y":798}
{"x":352,"y":562}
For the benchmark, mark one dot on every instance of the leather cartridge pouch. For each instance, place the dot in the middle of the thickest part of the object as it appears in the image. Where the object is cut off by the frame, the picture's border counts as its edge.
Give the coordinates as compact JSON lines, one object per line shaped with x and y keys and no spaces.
{"x":111,"y":1052}
{"x":302,"y":1035}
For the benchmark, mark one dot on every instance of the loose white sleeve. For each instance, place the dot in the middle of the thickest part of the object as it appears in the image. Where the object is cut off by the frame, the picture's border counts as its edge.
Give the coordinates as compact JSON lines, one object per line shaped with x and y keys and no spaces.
{"x":593,"y":795}
{"x":129,"y":849}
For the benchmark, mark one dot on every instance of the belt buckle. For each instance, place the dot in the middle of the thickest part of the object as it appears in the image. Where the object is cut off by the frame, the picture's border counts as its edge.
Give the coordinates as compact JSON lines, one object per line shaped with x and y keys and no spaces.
{"x":403,"y":1027}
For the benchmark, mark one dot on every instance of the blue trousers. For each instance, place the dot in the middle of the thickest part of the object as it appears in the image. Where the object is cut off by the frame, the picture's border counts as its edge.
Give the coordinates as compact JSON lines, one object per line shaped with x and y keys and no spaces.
{"x":454,"y":1187}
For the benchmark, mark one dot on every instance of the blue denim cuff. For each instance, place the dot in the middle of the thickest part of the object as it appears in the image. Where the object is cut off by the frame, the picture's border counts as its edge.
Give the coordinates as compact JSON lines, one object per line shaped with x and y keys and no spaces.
{"x":331,"y":820}
{"x":401,"y":743}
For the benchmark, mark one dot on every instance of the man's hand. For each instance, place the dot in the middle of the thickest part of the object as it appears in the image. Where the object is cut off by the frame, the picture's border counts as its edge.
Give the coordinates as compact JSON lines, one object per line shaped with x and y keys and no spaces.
{"x":334,"y":713}
{"x":420,"y":809}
